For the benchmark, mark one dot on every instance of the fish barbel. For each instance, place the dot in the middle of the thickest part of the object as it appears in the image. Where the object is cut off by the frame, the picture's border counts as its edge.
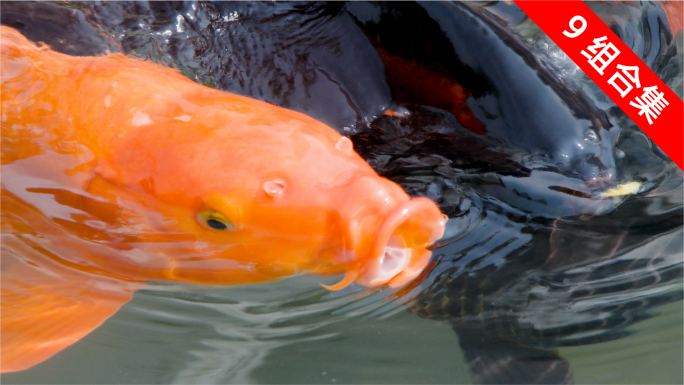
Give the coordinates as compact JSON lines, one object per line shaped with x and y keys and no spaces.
{"x":117,"y":171}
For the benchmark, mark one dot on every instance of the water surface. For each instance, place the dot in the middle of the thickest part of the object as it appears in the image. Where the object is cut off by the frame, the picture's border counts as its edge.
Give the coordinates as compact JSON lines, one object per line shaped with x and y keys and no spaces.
{"x":597,"y":281}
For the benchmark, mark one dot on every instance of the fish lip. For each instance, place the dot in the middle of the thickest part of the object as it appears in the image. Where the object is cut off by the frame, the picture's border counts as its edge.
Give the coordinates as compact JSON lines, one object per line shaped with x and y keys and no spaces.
{"x":432,"y":222}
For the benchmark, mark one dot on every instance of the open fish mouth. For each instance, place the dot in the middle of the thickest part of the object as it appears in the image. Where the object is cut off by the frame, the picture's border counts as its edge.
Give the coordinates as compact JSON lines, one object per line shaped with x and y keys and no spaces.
{"x":399,"y":252}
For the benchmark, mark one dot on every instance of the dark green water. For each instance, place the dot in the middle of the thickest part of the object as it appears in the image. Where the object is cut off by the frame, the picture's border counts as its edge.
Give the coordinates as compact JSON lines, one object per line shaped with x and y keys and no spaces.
{"x":168,"y":340}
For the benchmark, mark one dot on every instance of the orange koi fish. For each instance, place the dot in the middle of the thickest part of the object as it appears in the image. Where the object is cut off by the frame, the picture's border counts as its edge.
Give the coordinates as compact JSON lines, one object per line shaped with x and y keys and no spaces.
{"x":117,"y":171}
{"x":414,"y":83}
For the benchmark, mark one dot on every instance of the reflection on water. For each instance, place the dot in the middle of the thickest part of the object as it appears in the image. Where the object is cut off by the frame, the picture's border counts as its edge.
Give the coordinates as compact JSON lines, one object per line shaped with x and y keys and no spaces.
{"x":153,"y":340}
{"x":175,"y":339}
{"x":522,"y":288}
{"x":652,"y":355}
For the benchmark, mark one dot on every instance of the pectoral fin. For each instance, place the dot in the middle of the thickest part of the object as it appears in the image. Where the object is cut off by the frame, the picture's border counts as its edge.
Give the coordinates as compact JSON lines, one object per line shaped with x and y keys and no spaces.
{"x":47,"y":307}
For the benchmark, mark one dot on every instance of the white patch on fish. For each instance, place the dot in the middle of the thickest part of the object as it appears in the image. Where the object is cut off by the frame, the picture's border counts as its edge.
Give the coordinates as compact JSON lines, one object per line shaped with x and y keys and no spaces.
{"x":183,"y":118}
{"x":141,"y":119}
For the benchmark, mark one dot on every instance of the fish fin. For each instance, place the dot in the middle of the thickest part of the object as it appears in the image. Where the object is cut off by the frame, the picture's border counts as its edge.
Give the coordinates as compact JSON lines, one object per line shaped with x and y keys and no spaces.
{"x":47,"y":307}
{"x":496,"y":359}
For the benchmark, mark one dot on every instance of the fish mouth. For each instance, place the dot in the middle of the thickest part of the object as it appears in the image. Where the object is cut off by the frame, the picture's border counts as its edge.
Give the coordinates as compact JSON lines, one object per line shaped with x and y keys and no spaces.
{"x":399,"y":252}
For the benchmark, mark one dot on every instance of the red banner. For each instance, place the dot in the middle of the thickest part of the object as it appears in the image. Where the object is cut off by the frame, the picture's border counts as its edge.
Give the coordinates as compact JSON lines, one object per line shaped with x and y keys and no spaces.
{"x":620,"y":73}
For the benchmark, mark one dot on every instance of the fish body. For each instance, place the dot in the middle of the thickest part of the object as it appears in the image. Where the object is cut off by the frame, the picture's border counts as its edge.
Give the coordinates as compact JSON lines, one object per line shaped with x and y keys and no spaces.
{"x":116,"y":171}
{"x":309,"y":57}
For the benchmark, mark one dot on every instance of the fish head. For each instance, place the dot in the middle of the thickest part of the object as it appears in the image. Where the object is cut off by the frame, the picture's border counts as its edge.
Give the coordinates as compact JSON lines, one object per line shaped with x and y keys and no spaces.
{"x":117,"y":171}
{"x":263,"y":192}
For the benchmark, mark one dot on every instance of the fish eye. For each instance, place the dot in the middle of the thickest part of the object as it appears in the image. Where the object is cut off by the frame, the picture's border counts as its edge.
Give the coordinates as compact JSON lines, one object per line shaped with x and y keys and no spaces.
{"x":218,"y":225}
{"x":214,"y":220}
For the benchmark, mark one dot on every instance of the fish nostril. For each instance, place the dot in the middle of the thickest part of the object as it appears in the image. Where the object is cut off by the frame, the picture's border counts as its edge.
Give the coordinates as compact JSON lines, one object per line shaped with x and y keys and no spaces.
{"x":274,"y":188}
{"x":345,"y":145}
